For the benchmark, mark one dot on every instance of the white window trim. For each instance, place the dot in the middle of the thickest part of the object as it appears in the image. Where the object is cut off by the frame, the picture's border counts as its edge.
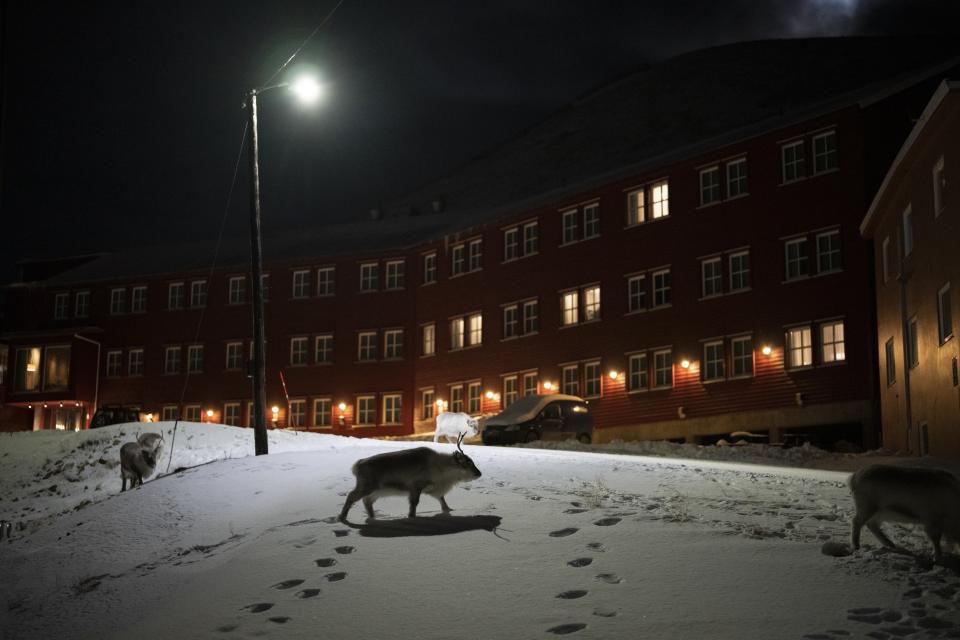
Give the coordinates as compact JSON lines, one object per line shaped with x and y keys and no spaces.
{"x":304,"y":342}
{"x":938,"y":203}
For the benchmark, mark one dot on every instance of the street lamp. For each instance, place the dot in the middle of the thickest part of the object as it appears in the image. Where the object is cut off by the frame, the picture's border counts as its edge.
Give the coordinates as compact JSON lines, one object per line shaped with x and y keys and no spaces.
{"x":308,"y":91}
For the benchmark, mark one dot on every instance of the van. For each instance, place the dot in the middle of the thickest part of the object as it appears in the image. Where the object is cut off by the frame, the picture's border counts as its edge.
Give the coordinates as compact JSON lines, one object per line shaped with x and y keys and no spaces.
{"x":555,"y":416}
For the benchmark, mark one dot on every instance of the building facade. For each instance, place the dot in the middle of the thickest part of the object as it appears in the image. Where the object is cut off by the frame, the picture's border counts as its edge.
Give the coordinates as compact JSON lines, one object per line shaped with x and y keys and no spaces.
{"x":688,"y":286}
{"x":914,"y":222}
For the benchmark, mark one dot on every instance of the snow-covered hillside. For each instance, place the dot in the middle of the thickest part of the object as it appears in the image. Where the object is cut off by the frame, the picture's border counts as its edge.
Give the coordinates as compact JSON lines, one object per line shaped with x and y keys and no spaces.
{"x":546,"y":543}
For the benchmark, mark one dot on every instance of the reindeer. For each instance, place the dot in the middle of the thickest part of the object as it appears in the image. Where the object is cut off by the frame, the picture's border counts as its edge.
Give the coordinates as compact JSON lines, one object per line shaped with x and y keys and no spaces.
{"x":139,"y":459}
{"x":930,"y":497}
{"x":451,"y":425}
{"x":409,"y":472}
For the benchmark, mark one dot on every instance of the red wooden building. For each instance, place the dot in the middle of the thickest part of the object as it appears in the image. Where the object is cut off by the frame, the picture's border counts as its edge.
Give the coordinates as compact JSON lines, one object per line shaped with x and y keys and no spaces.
{"x":681,"y":248}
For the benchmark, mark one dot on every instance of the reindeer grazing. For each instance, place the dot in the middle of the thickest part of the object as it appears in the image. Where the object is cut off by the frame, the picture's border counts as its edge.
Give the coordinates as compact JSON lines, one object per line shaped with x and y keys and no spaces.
{"x":138,"y":459}
{"x":930,"y":497}
{"x":409,"y":472}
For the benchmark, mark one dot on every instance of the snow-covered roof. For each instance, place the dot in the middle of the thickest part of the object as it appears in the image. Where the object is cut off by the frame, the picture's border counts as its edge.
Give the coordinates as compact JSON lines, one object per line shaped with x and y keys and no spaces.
{"x":527,"y":408}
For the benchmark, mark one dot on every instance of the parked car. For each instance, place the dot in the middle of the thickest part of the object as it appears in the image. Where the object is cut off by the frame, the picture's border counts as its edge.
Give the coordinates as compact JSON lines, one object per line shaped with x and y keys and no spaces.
{"x":540,"y":417}
{"x":114,"y":415}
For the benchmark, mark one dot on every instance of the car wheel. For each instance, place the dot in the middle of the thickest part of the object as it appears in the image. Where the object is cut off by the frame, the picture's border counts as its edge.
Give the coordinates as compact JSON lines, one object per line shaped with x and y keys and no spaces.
{"x":532,"y":436}
{"x":584,"y":438}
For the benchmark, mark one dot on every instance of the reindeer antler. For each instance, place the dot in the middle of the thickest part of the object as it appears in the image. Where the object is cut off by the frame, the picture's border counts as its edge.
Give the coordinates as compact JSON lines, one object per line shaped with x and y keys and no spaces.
{"x":460,"y":439}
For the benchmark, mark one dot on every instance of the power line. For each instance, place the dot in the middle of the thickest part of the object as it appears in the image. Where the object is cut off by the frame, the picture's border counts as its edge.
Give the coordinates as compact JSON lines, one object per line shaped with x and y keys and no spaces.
{"x":300,"y":48}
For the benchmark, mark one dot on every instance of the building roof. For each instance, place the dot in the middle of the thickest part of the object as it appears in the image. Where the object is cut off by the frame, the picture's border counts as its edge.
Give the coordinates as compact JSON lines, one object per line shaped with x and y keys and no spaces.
{"x":661,"y":114}
{"x":898,"y":168}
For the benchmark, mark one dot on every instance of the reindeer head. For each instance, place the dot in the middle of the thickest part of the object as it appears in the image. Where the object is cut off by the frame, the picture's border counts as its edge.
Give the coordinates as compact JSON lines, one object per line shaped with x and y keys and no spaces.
{"x":464,"y":463}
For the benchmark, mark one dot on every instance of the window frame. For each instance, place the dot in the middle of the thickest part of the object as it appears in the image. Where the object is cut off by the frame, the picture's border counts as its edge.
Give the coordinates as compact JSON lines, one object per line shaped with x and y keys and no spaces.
{"x":802,"y":259}
{"x":944,"y":314}
{"x":837,"y":251}
{"x":138,"y":370}
{"x":176,"y":295}
{"x":798,"y":163}
{"x":709,"y":181}
{"x":714,"y":362}
{"x":366,"y":346}
{"x":318,"y":412}
{"x":233,"y":356}
{"x":429,"y":328}
{"x":392,"y":415}
{"x":829,"y":154}
{"x":369,"y":277}
{"x":429,"y":268}
{"x":804,"y":348}
{"x":326,"y":282}
{"x":299,"y":356}
{"x":836,"y":347}
{"x":741,"y":179}
{"x":396,"y":280}
{"x":82,"y":309}
{"x":236,"y":290}
{"x":638,"y":372}
{"x":118,"y":301}
{"x":198,"y":293}
{"x":663,"y":292}
{"x":747,"y":356}
{"x":714,"y":279}
{"x":195,"y":362}
{"x":323,"y":355}
{"x":393,"y":351}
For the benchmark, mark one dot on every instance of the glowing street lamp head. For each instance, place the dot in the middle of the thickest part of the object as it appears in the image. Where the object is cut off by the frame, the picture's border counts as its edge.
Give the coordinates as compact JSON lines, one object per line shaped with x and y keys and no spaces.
{"x":307,"y":89}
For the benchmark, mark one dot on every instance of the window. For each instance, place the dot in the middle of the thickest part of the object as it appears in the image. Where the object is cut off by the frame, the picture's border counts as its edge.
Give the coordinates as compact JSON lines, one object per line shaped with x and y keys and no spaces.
{"x":742,"y":356}
{"x":636,"y":211}
{"x":395,"y":274}
{"x":709,"y":186}
{"x":511,"y":244}
{"x":939,"y":187}
{"x":473,"y":398}
{"x":82,"y":304}
{"x":236,"y":290}
{"x":530,"y":383}
{"x":510,"y":393}
{"x":456,"y":399}
{"x":429,"y":339}
{"x":475,"y":324}
{"x":661,"y":288}
{"x":831,"y":342}
{"x":531,"y":238}
{"x":570,"y":380}
{"x":591,"y":379}
{"x":457,"y":261}
{"x":392,"y":404}
{"x":429,"y":268}
{"x":231,"y":414}
{"x":659,"y":200}
{"x":326,"y":281}
{"x":570,"y":307}
{"x":944,"y":313}
{"x":175,"y":295}
{"x":796,"y":257}
{"x":234,"y":356}
{"x":171,"y":360}
{"x":322,"y":412}
{"x":114,"y":360}
{"x":510,"y":321}
{"x":138,"y":300}
{"x":427,"y":402}
{"x":27,"y":374}
{"x":713,"y":361}
{"x":591,"y":303}
{"x":118,"y":301}
{"x":792,"y":161}
{"x":298,"y":413}
{"x":885,"y":259}
{"x":712,"y":277}
{"x":662,"y":368}
{"x":323,"y":349}
{"x":198,"y":294}
{"x":799,"y":347}
{"x":824,"y":152}
{"x":531,"y":317}
{"x":570,"y":224}
{"x":907,"y":231}
{"x":366,"y":411}
{"x":169,"y":413}
{"x":828,"y":251}
{"x":393,"y":344}
{"x":457,"y":333}
{"x":636,"y":293}
{"x":195,"y":358}
{"x":637,"y":372}
{"x":191,"y":413}
{"x":61,"y":304}
{"x":913,"y":351}
{"x":891,"y":362}
{"x":369,"y":276}
{"x":56,"y":368}
{"x":298,"y":351}
{"x":475,"y":251}
{"x":737,"y":178}
{"x":135,"y":362}
{"x":591,"y":221}
{"x":739,"y":271}
{"x":367,"y":346}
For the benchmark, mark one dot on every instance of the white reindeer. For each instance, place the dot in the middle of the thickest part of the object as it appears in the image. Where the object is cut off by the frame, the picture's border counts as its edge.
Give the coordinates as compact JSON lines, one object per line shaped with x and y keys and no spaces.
{"x":453,"y":425}
{"x":139,"y":459}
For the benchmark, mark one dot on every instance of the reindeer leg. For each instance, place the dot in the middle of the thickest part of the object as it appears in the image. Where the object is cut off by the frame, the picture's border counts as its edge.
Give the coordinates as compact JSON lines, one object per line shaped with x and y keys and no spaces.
{"x":443,"y":505}
{"x":352,"y":497}
{"x":855,"y":530}
{"x":123,"y":487}
{"x":881,"y":536}
{"x":933,"y":532}
{"x":414,"y":501}
{"x":368,"y":505}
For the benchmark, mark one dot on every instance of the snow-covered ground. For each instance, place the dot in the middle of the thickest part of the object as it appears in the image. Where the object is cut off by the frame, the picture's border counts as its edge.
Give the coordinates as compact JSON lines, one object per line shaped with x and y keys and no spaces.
{"x":549,"y":542}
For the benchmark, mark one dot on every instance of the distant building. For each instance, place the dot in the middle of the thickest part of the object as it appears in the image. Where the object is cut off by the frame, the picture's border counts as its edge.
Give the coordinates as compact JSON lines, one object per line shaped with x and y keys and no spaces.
{"x":679,"y":247}
{"x":914,"y":221}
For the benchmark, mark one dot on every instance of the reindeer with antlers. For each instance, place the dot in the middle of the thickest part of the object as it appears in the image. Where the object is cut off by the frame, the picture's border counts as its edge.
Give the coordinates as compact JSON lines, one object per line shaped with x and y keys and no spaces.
{"x":409,"y":472}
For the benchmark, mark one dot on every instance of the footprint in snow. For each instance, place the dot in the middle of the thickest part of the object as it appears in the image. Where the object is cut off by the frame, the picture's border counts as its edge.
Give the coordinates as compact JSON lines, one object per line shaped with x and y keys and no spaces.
{"x":308,"y":593}
{"x":565,"y":629}
{"x":609,"y":578}
{"x":577,"y":510}
{"x":605,"y":612}
{"x":288,"y":584}
{"x":279,"y":619}
{"x":344,"y":550}
{"x":325,"y":562}
{"x":607,"y":522}
{"x":336,"y":576}
{"x":580,"y":562}
{"x":227,"y":628}
{"x":562,"y":533}
{"x":259,"y":607}
{"x":330,"y":520}
{"x":341,"y":532}
{"x":573,"y":594}
{"x":596,"y":546}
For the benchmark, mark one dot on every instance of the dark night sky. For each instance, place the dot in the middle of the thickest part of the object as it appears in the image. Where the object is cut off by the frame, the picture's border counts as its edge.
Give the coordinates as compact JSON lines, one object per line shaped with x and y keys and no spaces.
{"x":121,"y":121}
